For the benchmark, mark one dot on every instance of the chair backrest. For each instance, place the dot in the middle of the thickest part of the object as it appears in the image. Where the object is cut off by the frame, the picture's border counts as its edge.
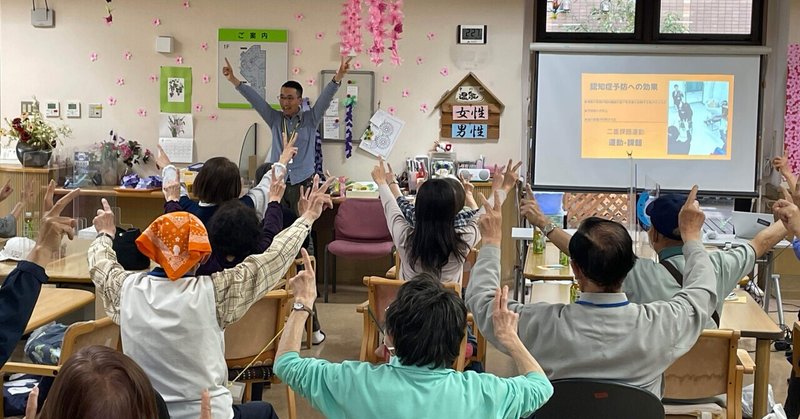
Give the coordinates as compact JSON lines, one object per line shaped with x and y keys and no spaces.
{"x":600,"y":399}
{"x":361,"y":220}
{"x":382,"y":291}
{"x":79,"y":335}
{"x":469,"y":262}
{"x":248,"y":336}
{"x":707,"y":370}
{"x":294,"y":268}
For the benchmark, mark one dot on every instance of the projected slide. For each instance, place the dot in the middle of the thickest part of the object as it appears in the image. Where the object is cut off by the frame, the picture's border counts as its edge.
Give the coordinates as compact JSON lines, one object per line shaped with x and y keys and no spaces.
{"x":656,"y":116}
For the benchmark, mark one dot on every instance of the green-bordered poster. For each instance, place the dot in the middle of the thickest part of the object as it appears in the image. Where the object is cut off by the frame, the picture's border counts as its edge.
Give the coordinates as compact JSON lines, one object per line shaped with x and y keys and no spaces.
{"x":259,"y":58}
{"x":176,"y":89}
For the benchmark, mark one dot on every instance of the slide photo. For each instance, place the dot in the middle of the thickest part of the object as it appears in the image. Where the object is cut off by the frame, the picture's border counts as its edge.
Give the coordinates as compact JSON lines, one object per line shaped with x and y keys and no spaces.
{"x":656,"y":116}
{"x":698,"y":118}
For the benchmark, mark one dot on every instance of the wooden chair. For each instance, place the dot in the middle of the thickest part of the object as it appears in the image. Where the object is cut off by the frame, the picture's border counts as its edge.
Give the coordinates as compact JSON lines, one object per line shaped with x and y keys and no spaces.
{"x":293,"y":269}
{"x":578,"y":398}
{"x":381,"y":293}
{"x":77,"y":336}
{"x":247,"y":337}
{"x":712,"y":367}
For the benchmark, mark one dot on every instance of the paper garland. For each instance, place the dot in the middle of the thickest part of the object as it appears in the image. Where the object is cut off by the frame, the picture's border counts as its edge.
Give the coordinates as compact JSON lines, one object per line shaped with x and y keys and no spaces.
{"x":318,"y":154}
{"x":349,"y":103}
{"x":791,"y":139}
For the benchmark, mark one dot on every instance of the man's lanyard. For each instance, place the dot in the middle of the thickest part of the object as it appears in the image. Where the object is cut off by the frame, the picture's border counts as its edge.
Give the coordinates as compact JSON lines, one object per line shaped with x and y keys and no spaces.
{"x":286,"y":127}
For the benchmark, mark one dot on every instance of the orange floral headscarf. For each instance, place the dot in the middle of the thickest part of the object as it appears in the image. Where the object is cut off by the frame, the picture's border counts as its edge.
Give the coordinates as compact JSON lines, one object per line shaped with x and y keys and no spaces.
{"x":177,"y":241}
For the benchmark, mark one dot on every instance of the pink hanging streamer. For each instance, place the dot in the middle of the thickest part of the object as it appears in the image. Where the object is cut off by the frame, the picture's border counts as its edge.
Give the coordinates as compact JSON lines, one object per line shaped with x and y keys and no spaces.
{"x":350,"y":31}
{"x":791,"y":139}
{"x":396,"y":28}
{"x":376,"y":26}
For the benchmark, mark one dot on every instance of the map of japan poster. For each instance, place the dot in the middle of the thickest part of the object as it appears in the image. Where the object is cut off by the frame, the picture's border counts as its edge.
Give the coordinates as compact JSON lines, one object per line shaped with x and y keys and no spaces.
{"x":259,"y":58}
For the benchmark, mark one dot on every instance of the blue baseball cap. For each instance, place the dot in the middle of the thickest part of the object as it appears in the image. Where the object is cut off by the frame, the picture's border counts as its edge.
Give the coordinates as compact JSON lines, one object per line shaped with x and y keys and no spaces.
{"x":664,"y":212}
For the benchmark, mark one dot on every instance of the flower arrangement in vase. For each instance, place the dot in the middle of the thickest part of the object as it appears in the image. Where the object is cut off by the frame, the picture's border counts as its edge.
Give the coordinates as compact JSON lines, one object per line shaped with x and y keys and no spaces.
{"x":35,"y":137}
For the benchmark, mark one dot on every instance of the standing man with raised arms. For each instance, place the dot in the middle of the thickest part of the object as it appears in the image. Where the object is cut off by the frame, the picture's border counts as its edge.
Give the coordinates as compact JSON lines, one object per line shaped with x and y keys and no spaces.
{"x":289,"y":121}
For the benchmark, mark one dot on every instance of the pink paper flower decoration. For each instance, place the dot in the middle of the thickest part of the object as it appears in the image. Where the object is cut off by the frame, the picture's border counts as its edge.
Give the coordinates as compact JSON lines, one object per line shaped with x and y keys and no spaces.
{"x":93,"y":57}
{"x":204,"y":46}
{"x":350,"y":28}
{"x":179,"y":60}
{"x":128,"y":55}
{"x":156,"y":21}
{"x":296,"y":70}
{"x":112,"y":101}
{"x":320,"y":36}
{"x":356,"y":65}
{"x":444,"y":72}
{"x":186,"y":4}
{"x":141,"y":112}
{"x":298,"y":51}
{"x":391,"y":109}
{"x":154,"y":77}
{"x":404,"y":93}
{"x":206,"y":78}
{"x":120,"y":81}
{"x":299,"y":17}
{"x":213,"y":117}
{"x":423,"y":108}
{"x":108,"y":19}
{"x":198,"y":108}
{"x":386,"y":79}
{"x":431,"y":35}
{"x":311,"y":82}
{"x":419,"y":60}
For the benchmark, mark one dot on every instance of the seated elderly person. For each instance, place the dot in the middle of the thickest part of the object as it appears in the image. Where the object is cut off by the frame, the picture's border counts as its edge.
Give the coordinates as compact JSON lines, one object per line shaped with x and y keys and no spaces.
{"x":649,"y":280}
{"x":424,"y":328}
{"x":182,"y":316}
{"x":603,"y":335}
{"x":99,"y":382}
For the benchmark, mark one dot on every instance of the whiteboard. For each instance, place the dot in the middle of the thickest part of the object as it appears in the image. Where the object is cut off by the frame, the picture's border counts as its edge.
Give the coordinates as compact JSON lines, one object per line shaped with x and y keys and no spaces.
{"x":365,"y":102}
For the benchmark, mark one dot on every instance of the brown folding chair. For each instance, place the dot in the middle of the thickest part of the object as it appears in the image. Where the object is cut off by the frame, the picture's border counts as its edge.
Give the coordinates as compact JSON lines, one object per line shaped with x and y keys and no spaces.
{"x":77,"y":336}
{"x":712,"y":367}
{"x":248,"y":336}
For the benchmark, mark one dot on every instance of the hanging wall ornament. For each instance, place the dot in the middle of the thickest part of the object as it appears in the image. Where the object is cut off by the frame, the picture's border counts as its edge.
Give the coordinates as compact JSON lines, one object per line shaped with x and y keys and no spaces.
{"x":349,"y":104}
{"x":318,"y":154}
{"x":375,"y":25}
{"x":350,"y":31}
{"x":395,"y":29}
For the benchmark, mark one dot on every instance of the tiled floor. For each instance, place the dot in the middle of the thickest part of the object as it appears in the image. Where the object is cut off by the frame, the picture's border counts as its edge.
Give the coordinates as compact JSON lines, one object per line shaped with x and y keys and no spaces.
{"x":343,"y":328}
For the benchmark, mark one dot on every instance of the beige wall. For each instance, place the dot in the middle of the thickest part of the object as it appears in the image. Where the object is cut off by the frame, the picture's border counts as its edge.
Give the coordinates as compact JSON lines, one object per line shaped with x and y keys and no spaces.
{"x":794,"y":22}
{"x":54,"y":64}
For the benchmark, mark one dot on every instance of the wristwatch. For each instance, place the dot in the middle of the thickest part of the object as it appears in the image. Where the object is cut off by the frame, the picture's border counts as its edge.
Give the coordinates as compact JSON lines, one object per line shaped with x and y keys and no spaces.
{"x":547,"y":229}
{"x":302,"y":307}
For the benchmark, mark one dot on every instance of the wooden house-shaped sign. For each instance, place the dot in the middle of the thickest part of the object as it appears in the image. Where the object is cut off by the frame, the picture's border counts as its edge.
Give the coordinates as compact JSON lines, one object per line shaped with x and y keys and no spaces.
{"x":469,"y":111}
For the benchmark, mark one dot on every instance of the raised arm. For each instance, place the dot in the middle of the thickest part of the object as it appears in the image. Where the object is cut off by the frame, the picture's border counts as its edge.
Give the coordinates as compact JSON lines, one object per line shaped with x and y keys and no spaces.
{"x":107,"y":274}
{"x":767,"y":238}
{"x":781,"y":164}
{"x":485,"y":278}
{"x":20,"y":291}
{"x":259,"y":103}
{"x":237,"y":288}
{"x":273,"y":217}
{"x":398,"y":225}
{"x":698,"y":298}
{"x":324,"y":99}
{"x":531,"y":211}
{"x":260,"y":193}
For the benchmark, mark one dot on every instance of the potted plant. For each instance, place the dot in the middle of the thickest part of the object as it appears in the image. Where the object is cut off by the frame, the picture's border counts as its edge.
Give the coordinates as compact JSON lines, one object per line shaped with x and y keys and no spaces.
{"x":117,"y":149}
{"x":36,"y":138}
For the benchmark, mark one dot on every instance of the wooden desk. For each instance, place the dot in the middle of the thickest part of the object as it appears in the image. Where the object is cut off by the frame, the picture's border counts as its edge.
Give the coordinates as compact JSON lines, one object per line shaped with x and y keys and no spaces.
{"x":753,"y":322}
{"x":73,"y":269}
{"x":542,"y":266}
{"x":54,"y":303}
